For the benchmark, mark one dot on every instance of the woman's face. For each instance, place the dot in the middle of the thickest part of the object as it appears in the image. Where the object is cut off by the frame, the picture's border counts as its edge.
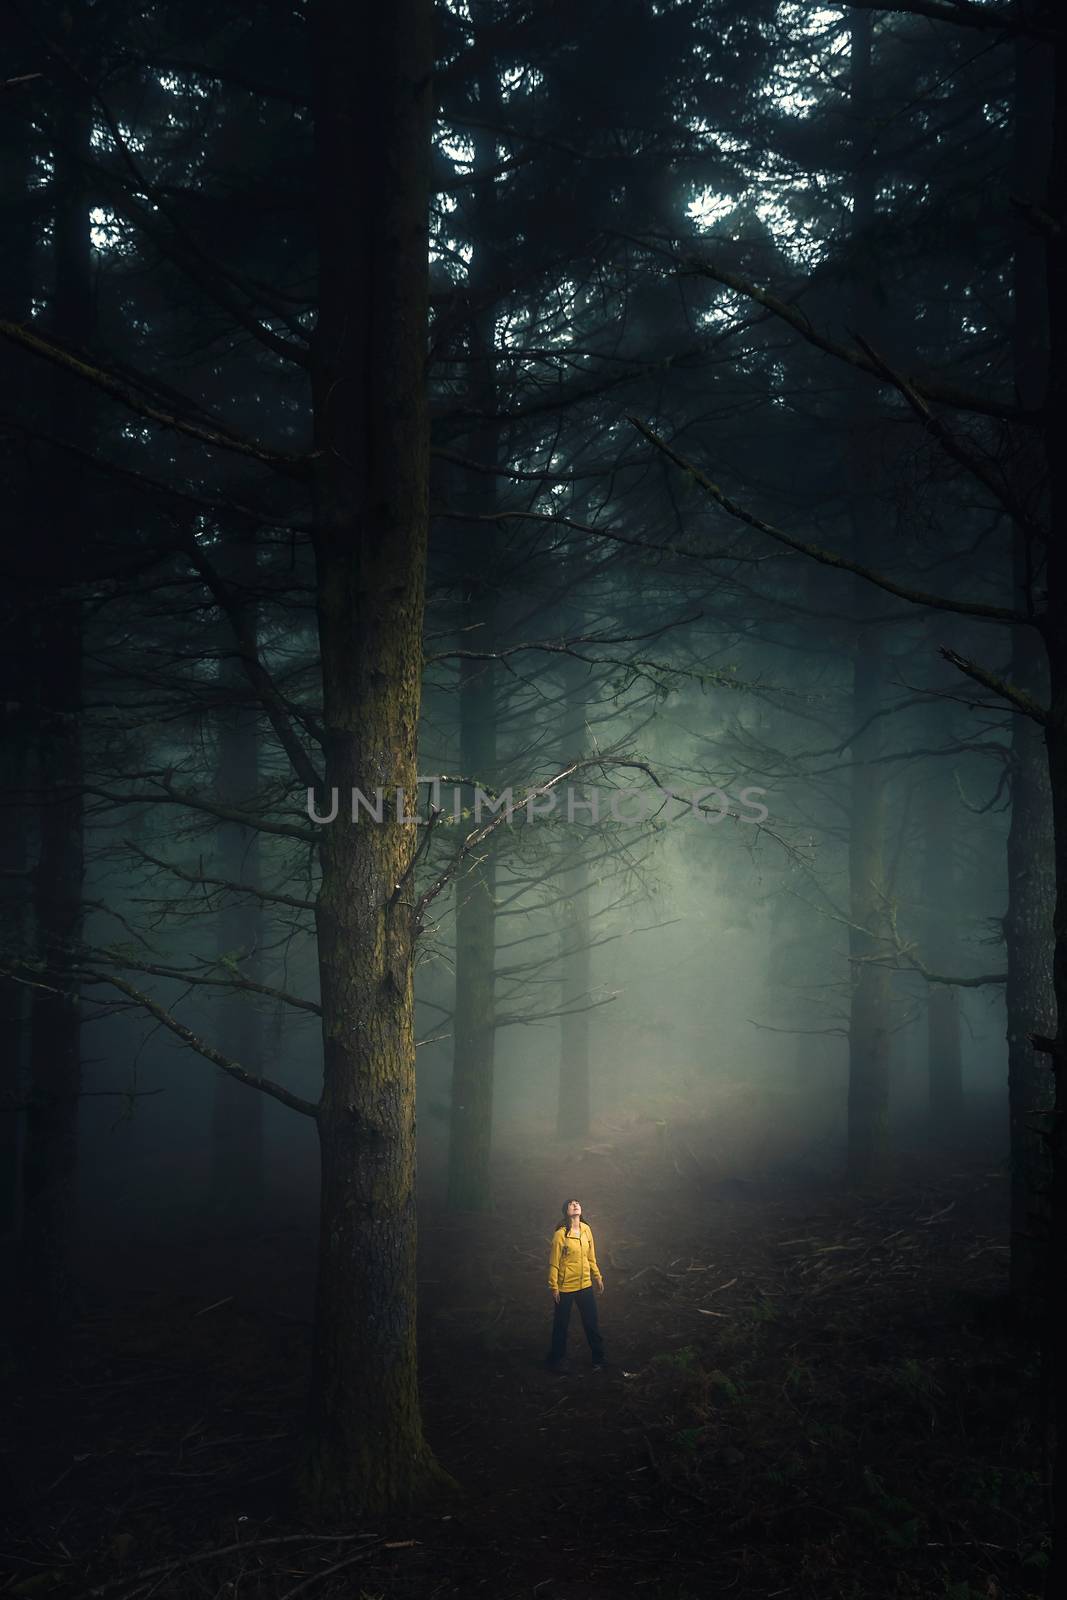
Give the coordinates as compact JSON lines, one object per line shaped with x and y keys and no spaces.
{"x":574,"y":1210}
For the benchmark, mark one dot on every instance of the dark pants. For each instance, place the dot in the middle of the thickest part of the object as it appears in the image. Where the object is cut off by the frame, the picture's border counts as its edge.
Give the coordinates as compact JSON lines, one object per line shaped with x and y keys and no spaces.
{"x":586,"y":1303}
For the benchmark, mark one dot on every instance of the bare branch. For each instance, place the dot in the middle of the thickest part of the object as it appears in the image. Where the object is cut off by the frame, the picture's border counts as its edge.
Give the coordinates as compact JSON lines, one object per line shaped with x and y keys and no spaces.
{"x":198,"y":879}
{"x":257,"y":674}
{"x":930,"y":388}
{"x":233,"y":980}
{"x":563,"y":646}
{"x":186,"y":254}
{"x":952,"y":444}
{"x":217,"y":438}
{"x":277,"y":1091}
{"x":960,"y":13}
{"x":831,"y":558}
{"x":998,"y":686}
{"x":597,"y":531}
{"x":168,"y":795}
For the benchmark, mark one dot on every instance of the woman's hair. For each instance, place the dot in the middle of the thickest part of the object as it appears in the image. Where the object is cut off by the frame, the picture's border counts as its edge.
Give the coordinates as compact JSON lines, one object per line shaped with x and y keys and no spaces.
{"x":564,"y":1226}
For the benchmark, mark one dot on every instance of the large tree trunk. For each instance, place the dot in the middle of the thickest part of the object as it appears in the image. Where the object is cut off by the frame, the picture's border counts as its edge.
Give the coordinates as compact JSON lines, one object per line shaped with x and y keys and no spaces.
{"x":50,"y":1149}
{"x":372,"y":105}
{"x":1029,"y":997}
{"x":474,"y":1023}
{"x":869,"y":1033}
{"x":236,"y":1169}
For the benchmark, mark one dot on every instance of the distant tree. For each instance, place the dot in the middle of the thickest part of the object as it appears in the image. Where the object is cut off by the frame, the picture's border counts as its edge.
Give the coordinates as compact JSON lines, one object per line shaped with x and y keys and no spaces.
{"x":50,"y":1148}
{"x":1044,"y":602}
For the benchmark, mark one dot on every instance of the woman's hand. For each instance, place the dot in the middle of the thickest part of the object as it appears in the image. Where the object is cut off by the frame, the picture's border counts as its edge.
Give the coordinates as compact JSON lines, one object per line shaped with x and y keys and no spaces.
{"x":555,"y":1296}
{"x":600,"y":1286}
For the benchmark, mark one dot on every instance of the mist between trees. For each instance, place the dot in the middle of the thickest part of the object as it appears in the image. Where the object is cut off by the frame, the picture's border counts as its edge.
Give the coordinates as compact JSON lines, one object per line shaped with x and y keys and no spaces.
{"x":567,"y":401}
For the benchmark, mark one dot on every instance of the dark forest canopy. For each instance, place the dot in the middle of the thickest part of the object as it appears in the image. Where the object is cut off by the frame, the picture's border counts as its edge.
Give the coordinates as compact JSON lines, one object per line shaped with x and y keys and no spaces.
{"x":606,"y":460}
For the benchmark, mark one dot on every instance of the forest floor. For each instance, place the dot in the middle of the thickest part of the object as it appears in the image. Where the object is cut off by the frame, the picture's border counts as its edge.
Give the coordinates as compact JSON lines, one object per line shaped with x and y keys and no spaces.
{"x":810,"y":1394}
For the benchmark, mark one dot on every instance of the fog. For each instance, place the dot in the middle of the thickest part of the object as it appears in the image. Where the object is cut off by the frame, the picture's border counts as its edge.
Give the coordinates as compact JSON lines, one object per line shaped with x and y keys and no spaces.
{"x":534,"y":780}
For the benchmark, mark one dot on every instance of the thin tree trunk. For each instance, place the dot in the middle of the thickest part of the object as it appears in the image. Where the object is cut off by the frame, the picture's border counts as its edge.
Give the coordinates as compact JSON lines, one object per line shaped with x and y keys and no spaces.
{"x":236,"y":1163}
{"x":372,"y":104}
{"x":573,"y":1105}
{"x":1029,"y":996}
{"x":50,"y":1147}
{"x":944,"y":1063}
{"x":474,"y":1023}
{"x":944,"y":1056}
{"x":869,"y":1035}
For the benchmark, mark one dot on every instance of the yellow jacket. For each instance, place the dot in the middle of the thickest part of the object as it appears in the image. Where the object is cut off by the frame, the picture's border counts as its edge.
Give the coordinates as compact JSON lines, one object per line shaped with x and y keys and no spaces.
{"x":572,"y":1262}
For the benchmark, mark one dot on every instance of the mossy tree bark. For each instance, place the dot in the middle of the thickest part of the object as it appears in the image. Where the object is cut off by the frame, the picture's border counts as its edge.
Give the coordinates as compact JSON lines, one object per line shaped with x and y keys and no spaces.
{"x":372,"y":104}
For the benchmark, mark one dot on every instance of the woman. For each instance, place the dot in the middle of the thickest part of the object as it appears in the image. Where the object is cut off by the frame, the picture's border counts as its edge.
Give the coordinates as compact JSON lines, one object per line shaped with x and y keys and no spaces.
{"x":572,"y":1271}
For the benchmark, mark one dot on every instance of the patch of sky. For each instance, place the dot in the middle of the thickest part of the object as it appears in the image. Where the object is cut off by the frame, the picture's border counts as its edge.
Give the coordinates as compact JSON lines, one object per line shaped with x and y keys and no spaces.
{"x":102,"y":138}
{"x":788,"y":95}
{"x":105,"y":231}
{"x":451,"y":253}
{"x":458,"y":147}
{"x":797,"y":78}
{"x":205,"y":532}
{"x":556,"y":327}
{"x":727,"y":144}
{"x":197,"y":86}
{"x":718,"y":316}
{"x":808,"y":19}
{"x":707,"y":208}
{"x":801,"y":239}
{"x":513,"y":79}
{"x":443,"y":248}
